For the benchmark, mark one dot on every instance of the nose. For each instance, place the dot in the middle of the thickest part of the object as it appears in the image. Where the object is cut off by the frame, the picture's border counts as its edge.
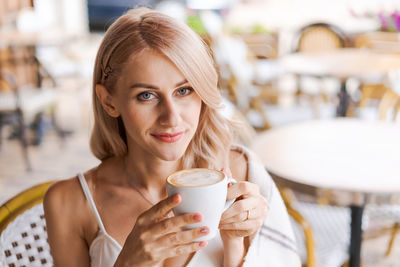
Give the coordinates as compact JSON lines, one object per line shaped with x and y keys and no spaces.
{"x":170,"y":113}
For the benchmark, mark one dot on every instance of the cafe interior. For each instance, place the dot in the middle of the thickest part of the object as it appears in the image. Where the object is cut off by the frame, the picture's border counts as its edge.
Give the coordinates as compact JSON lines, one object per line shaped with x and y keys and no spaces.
{"x":314,"y":84}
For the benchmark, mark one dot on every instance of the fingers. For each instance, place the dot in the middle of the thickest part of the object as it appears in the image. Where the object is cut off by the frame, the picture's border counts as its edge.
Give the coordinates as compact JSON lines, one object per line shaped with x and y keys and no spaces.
{"x":156,"y":253}
{"x":242,"y":188}
{"x":240,"y":206}
{"x":183,"y":249}
{"x":161,"y":209}
{"x":175,"y":223}
{"x":183,"y":237}
{"x":246,"y":215}
{"x":237,"y":218}
{"x":244,"y":225}
{"x":227,"y":171}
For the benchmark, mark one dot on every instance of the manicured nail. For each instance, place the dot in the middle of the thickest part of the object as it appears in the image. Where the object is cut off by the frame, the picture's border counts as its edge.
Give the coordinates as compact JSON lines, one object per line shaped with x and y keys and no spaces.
{"x":203,"y":244}
{"x":204,"y":230}
{"x":177,"y":198}
{"x":197,"y":217}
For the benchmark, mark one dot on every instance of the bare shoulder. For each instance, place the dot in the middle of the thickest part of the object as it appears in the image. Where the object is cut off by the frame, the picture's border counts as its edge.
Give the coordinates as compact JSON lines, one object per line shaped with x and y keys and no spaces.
{"x":238,"y":164}
{"x":61,"y":198}
{"x":61,"y":191}
{"x":68,"y":189}
{"x":65,"y":210}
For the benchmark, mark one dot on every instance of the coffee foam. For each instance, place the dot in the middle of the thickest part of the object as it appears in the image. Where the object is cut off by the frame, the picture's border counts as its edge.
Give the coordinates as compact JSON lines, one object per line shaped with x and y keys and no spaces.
{"x":196,"y":178}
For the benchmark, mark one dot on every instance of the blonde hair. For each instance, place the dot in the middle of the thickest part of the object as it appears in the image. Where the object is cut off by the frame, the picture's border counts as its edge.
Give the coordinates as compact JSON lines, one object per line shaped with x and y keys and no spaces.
{"x":140,"y":29}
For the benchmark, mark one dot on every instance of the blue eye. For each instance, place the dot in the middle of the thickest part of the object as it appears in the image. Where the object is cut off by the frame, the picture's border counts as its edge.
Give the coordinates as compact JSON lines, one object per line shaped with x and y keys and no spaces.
{"x":145,"y":96}
{"x":185,"y":91}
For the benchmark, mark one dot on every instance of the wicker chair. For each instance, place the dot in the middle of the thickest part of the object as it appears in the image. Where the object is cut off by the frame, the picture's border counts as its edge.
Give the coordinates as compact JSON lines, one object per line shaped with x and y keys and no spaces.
{"x":388,"y":110}
{"x":23,"y":236}
{"x":389,"y":106}
{"x":319,"y":91}
{"x":319,"y":37}
{"x":287,"y":196}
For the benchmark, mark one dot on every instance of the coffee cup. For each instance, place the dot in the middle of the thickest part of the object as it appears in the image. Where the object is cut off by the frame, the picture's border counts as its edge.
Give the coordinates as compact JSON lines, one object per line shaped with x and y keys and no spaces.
{"x":202,"y":191}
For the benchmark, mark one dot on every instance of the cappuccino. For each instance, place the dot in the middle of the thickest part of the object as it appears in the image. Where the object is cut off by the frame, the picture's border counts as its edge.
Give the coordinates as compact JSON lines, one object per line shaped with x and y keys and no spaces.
{"x":195,"y":177}
{"x":203,"y":191}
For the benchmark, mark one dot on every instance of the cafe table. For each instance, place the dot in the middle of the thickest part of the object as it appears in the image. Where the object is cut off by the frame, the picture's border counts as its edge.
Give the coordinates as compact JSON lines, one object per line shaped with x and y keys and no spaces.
{"x":342,"y":64}
{"x":349,"y":162}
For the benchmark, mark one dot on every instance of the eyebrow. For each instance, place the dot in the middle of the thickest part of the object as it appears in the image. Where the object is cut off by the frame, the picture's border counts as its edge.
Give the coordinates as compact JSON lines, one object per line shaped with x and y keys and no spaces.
{"x":149,"y":86}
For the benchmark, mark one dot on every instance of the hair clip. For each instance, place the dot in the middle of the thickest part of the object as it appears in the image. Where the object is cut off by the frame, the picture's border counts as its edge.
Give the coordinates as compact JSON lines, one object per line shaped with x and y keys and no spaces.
{"x":106,"y":71}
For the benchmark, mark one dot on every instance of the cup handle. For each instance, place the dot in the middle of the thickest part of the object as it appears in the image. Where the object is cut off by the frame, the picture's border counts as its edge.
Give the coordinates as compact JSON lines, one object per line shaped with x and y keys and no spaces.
{"x":229,"y":202}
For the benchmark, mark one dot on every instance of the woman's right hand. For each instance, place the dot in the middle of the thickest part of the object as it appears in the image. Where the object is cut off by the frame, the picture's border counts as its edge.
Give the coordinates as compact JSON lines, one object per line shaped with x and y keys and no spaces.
{"x":156,"y":237}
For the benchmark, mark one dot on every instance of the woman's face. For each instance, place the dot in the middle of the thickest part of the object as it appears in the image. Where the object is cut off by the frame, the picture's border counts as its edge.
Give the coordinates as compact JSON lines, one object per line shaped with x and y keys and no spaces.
{"x":159,"y":108}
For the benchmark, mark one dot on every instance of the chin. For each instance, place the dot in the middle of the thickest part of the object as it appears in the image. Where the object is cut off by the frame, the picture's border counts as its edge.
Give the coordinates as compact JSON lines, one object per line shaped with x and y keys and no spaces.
{"x":170,"y":154}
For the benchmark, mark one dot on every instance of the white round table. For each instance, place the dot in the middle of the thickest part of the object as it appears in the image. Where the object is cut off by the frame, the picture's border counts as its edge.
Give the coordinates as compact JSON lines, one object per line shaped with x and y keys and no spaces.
{"x":343,"y":64}
{"x":351,"y":162}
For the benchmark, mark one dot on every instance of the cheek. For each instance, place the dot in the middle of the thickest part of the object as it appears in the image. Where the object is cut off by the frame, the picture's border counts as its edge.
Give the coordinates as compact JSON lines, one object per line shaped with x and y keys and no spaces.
{"x":135,"y":120}
{"x":192,"y":112}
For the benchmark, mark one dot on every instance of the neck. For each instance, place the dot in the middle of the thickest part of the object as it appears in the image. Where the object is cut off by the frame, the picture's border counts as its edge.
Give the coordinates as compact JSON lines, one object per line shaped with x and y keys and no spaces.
{"x":149,"y":173}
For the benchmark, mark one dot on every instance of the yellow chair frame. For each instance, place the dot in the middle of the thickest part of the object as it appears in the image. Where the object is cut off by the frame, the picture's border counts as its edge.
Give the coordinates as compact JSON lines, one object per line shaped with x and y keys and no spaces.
{"x":303,"y":223}
{"x":22,"y":202}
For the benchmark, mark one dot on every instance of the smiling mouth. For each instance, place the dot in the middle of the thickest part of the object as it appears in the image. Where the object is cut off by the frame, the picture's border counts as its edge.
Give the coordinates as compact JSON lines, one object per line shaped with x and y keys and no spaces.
{"x":168,"y":137}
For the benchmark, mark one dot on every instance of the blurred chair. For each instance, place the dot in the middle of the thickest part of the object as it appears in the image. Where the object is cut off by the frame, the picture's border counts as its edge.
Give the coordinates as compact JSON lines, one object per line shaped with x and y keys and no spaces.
{"x":23,"y":236}
{"x":320,"y":91}
{"x":248,"y":82}
{"x":288,"y":199}
{"x":378,"y":102}
{"x":324,"y":235}
{"x":373,"y":86}
{"x":242,"y":76}
{"x":24,"y":106}
{"x":389,"y":106}
{"x":367,"y":107}
{"x":319,"y":37}
{"x":244,"y":134}
{"x":262,"y":45}
{"x":386,"y":219}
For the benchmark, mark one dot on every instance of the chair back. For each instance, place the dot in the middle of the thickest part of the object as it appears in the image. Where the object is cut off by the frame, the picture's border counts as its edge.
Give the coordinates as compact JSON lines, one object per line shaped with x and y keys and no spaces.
{"x":23,"y":236}
{"x":389,"y":106}
{"x":319,"y":37}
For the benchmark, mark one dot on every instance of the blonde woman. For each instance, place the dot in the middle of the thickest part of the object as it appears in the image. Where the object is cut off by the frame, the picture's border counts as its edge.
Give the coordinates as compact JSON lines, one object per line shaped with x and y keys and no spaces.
{"x":156,"y":106}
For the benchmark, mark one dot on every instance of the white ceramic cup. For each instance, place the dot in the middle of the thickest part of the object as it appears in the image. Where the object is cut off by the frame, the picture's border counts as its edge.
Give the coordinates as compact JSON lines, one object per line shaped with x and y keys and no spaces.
{"x":209,"y":199}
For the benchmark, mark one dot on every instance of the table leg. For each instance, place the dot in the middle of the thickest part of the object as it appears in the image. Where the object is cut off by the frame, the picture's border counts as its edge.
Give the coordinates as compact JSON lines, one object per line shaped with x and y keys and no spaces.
{"x":356,"y":233}
{"x":343,"y":100}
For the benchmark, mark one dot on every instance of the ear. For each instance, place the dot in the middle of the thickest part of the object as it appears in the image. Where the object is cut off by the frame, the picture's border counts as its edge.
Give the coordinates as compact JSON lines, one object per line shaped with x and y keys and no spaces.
{"x":107,"y":101}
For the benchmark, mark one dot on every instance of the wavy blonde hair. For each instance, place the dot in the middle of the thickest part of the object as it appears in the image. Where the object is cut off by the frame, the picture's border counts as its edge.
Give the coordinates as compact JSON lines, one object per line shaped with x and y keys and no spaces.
{"x":140,"y":29}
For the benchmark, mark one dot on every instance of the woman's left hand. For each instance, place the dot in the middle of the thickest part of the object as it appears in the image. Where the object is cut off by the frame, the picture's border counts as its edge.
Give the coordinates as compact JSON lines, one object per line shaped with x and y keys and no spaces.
{"x":246,"y":215}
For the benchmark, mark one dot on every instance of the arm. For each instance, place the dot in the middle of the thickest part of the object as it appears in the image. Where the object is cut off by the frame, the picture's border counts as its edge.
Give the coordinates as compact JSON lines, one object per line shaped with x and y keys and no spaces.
{"x":241,"y":221}
{"x":156,"y":237}
{"x":65,"y":235}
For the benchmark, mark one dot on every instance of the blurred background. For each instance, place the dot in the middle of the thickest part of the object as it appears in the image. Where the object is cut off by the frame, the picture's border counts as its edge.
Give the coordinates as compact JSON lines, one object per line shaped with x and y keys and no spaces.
{"x":48,"y":47}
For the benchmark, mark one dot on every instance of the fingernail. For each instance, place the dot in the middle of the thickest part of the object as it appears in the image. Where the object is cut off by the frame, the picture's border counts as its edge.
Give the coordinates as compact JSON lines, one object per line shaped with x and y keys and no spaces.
{"x":204,"y":230}
{"x":197,"y":217}
{"x":203,"y":244}
{"x":177,"y":198}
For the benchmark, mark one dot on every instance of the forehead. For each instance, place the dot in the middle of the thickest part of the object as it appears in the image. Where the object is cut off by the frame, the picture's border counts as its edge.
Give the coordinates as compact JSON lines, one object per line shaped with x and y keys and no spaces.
{"x":151,"y":66}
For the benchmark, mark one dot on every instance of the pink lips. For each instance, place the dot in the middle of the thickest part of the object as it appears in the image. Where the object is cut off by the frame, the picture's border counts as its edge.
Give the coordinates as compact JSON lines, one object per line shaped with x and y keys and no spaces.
{"x":168,"y":137}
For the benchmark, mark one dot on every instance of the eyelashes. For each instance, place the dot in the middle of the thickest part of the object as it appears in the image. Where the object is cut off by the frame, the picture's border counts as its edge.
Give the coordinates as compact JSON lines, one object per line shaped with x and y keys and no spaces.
{"x":150,"y":95}
{"x":145,"y":96}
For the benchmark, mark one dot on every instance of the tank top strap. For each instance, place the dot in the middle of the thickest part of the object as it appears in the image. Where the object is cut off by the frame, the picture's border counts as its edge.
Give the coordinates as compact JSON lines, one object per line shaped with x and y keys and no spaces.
{"x":89,"y":198}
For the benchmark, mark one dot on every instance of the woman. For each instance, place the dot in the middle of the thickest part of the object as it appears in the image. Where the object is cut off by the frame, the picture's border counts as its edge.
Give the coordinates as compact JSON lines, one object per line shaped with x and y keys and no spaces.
{"x":156,"y":111}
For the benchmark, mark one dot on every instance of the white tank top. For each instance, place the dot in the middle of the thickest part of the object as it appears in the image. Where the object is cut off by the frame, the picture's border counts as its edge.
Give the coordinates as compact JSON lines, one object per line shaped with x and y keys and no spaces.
{"x":104,"y":249}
